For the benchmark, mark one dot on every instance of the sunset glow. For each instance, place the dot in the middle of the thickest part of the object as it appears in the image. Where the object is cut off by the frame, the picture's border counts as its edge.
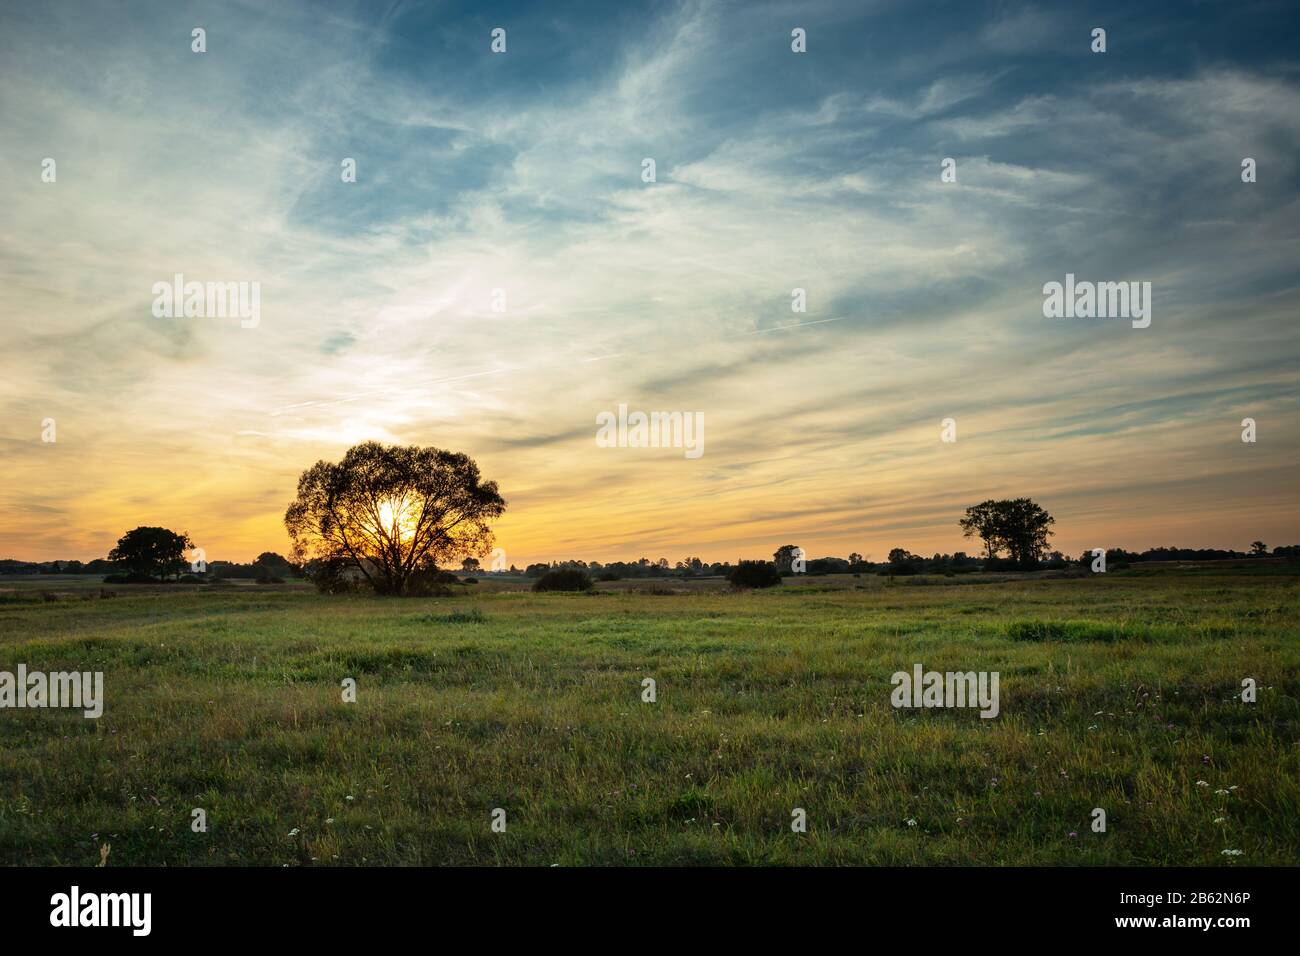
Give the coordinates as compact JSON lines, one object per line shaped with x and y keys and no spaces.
{"x":498,"y":277}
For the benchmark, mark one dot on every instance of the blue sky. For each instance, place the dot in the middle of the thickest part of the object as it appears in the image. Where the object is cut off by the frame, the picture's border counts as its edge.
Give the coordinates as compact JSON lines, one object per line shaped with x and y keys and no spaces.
{"x":521,"y":171}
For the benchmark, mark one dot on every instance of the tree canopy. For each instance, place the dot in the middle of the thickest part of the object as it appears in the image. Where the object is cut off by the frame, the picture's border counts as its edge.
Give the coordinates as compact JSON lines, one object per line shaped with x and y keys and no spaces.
{"x":1018,"y":526}
{"x":149,"y":552}
{"x":392,"y":510}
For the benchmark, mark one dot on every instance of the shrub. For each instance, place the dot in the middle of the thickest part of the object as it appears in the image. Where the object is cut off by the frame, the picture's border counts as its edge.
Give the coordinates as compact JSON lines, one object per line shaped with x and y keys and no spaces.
{"x":430,"y":582}
{"x":563,"y":579}
{"x":330,"y":576}
{"x":469,"y":581}
{"x":754,"y":574}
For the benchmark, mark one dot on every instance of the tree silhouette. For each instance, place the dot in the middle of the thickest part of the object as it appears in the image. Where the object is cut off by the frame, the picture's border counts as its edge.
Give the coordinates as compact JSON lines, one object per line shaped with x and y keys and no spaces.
{"x":392,"y":510}
{"x":784,"y":558}
{"x":1018,"y":526}
{"x":149,"y":551}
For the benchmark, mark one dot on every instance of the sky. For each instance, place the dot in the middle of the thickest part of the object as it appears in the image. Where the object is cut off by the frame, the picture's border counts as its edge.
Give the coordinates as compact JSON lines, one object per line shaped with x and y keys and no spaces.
{"x":522,"y":171}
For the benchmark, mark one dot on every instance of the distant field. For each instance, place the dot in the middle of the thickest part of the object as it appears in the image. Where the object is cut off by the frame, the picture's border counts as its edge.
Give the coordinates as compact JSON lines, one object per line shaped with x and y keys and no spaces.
{"x":1117,"y":691}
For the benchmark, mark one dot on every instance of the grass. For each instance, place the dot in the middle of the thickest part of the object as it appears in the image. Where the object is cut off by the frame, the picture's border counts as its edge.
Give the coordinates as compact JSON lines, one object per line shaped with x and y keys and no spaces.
{"x":1118,"y":692}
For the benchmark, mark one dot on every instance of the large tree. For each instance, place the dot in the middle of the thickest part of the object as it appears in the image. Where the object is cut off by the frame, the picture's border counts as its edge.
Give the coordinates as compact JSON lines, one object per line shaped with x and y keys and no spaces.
{"x":1018,"y":526}
{"x":146,"y":552}
{"x":392,"y":510}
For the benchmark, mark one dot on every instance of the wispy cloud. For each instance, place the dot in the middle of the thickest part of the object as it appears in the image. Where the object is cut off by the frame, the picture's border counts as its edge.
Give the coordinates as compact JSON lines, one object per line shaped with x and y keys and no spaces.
{"x":522,"y":173}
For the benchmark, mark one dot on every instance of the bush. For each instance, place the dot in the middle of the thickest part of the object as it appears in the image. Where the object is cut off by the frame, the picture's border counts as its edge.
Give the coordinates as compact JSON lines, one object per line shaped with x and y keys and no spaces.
{"x":430,"y":582}
{"x":269,"y":579}
{"x":563,"y":579}
{"x":191,"y":579}
{"x":469,"y":581}
{"x":754,"y":574}
{"x":330,"y":576}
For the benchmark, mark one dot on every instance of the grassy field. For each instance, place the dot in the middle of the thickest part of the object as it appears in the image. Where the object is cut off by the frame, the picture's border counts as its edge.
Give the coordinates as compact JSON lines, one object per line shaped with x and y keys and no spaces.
{"x":1117,"y":691}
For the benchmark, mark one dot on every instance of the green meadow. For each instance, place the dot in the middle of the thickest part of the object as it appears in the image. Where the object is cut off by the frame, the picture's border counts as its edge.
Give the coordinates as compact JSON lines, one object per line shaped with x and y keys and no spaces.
{"x":1119,"y":691}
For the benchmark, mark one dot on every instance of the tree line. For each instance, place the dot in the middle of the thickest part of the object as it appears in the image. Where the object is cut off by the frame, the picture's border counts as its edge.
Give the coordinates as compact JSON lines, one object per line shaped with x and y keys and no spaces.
{"x":392,"y":518}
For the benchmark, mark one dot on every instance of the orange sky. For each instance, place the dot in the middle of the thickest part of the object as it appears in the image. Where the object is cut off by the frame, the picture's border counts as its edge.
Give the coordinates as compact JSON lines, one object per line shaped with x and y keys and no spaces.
{"x":500,"y":274}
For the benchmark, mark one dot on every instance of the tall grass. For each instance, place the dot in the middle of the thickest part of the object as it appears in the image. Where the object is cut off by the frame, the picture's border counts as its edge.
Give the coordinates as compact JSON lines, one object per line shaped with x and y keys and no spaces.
{"x":1118,"y":692}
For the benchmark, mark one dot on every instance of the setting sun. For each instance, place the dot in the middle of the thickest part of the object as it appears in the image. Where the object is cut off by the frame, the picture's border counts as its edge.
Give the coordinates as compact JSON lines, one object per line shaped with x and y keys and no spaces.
{"x":396,"y":519}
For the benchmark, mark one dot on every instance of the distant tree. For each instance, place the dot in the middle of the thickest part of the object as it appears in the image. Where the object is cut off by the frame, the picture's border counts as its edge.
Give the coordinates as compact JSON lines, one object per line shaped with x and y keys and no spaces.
{"x":1018,"y":526}
{"x":1116,"y":559}
{"x":392,"y":510}
{"x":827,"y":565}
{"x":784,"y":558}
{"x":268,"y":564}
{"x":146,"y":552}
{"x":470,"y":565}
{"x":691,"y":566}
{"x":902,"y":561}
{"x":1258,"y":549}
{"x":754,"y":574}
{"x":855,"y":558}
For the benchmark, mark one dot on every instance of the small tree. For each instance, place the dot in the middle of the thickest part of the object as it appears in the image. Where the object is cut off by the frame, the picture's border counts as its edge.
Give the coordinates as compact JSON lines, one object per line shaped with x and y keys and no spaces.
{"x":903,"y":562}
{"x":784,"y":558}
{"x":146,"y":552}
{"x":1258,"y":549}
{"x":271,"y":565}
